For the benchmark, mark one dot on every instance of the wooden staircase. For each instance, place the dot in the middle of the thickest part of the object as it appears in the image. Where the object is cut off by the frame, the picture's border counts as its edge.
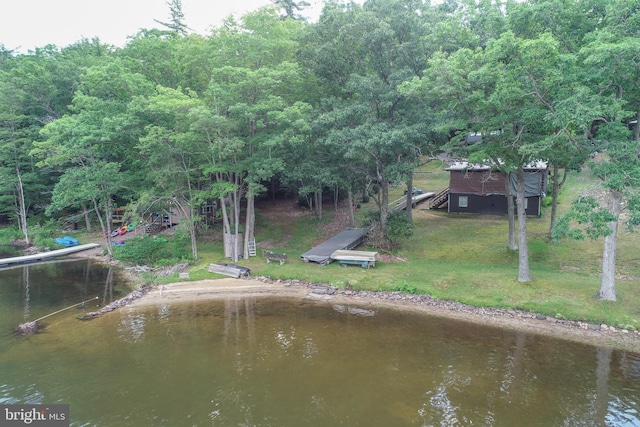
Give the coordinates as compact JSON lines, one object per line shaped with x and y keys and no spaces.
{"x":154,"y":227}
{"x":439,"y":199}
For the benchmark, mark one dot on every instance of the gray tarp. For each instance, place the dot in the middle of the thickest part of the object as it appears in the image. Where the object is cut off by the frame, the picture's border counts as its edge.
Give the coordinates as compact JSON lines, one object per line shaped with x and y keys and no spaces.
{"x":347,"y":239}
{"x":534,"y":183}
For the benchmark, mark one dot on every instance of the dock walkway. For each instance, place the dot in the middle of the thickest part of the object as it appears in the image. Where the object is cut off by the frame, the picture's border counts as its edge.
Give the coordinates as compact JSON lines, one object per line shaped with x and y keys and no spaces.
{"x":346,"y":239}
{"x":401,"y":203}
{"x":46,"y":255}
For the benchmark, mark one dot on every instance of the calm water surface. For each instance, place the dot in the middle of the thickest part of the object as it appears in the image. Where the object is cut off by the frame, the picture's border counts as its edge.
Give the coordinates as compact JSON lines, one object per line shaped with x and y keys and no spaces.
{"x":268,"y":362}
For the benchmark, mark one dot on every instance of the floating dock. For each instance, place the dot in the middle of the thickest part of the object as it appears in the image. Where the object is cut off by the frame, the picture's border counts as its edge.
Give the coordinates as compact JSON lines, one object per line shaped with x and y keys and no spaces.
{"x":347,"y":239}
{"x":46,"y":255}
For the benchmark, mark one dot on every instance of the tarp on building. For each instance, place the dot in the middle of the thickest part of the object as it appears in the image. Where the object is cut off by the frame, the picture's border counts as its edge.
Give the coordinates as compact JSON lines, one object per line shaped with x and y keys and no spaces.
{"x":482,"y":180}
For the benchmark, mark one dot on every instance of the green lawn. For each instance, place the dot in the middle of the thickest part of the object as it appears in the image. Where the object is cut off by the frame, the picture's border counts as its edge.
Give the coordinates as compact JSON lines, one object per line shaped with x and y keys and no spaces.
{"x":464,"y":258}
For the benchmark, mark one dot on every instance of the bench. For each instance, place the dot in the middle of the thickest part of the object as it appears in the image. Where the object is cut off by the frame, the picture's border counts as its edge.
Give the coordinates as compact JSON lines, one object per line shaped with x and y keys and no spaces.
{"x":272,"y":256}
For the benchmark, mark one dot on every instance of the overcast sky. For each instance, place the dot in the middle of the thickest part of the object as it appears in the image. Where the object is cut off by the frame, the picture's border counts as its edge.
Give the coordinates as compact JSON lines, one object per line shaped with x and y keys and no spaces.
{"x":26,"y":24}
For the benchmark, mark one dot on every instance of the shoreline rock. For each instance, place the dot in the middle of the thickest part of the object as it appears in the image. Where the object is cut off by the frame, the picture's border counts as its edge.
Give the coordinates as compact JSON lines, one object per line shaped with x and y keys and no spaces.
{"x":596,"y":334}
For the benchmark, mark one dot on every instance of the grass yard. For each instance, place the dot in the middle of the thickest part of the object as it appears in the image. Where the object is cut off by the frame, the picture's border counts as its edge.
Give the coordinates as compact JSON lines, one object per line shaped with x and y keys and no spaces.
{"x":459,"y":257}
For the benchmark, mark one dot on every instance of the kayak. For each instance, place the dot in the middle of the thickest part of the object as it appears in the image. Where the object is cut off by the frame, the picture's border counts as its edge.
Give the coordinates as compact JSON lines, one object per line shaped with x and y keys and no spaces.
{"x":66,"y":241}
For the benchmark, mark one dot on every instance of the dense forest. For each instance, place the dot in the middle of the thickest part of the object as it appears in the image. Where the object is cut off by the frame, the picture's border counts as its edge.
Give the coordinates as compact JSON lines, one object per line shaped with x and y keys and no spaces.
{"x":271,"y":104}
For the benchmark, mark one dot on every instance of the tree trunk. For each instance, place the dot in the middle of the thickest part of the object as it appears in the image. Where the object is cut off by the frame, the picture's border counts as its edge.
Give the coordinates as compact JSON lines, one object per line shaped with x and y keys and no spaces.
{"x":226,"y":226}
{"x":352,"y":216}
{"x":409,"y":208}
{"x":237,"y":195}
{"x":250,"y":223}
{"x":608,"y":280}
{"x":511,"y":214}
{"x":557,"y":185}
{"x":524,"y":275}
{"x":22,"y":209}
{"x":87,"y":220}
{"x":318,"y":202}
{"x":190,"y":223}
{"x":384,"y":204}
{"x":105,"y":227}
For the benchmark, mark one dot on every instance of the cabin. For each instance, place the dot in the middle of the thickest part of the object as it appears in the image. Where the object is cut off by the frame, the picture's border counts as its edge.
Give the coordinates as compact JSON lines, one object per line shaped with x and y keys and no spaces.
{"x":478,"y":188}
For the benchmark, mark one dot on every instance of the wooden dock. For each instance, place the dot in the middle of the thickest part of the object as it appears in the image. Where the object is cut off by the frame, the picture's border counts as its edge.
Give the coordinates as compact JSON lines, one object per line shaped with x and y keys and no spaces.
{"x":346,"y":239}
{"x":401,"y":203}
{"x":46,"y":255}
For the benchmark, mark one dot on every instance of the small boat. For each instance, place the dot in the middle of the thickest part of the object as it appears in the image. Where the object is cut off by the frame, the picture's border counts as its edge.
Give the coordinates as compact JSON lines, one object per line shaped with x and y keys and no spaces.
{"x":66,"y":241}
{"x":118,"y":243}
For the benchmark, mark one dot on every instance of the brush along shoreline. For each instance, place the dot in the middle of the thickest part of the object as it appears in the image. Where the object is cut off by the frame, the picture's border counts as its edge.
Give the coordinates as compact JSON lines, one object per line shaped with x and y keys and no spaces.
{"x":202,"y":290}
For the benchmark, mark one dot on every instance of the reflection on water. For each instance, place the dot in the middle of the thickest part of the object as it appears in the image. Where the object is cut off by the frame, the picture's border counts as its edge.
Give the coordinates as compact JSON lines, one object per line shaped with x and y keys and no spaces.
{"x":28,"y":292}
{"x":268,"y":362}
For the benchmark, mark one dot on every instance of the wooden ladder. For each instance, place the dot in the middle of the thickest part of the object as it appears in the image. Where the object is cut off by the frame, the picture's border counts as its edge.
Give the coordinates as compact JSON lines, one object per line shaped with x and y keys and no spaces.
{"x":252,"y":247}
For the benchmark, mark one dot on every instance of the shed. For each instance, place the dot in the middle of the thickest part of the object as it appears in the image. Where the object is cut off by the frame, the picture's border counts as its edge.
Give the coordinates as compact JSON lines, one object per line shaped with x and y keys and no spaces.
{"x":480,"y":188}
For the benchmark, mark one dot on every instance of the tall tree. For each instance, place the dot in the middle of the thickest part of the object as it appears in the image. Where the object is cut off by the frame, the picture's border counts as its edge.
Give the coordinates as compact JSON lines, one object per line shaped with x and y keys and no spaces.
{"x":363,"y":55}
{"x":256,"y":99}
{"x":171,"y":151}
{"x":291,"y":8}
{"x":96,"y":140}
{"x":176,"y":18}
{"x":611,"y":57}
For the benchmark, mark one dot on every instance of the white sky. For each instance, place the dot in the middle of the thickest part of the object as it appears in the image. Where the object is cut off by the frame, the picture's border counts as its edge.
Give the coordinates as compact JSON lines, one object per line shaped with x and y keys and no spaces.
{"x":27,"y":24}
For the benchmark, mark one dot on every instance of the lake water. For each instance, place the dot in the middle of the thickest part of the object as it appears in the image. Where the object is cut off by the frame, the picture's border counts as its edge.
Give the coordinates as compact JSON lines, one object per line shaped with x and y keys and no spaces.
{"x":272,"y":362}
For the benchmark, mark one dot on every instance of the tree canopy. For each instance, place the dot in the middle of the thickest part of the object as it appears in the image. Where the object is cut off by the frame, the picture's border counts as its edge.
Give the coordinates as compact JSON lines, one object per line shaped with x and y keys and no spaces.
{"x":346,"y":104}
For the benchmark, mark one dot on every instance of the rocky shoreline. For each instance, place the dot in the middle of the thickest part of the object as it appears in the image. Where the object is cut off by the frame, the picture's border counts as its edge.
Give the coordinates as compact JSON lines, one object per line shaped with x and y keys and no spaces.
{"x":426,"y":301}
{"x":595,"y":334}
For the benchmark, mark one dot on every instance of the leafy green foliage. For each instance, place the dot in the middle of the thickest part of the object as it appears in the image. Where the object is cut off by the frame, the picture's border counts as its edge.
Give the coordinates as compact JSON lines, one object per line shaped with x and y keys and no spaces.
{"x":8,"y":235}
{"x":399,"y":227}
{"x":44,"y":234}
{"x":406,"y":288}
{"x":586,"y":212}
{"x":153,"y":251}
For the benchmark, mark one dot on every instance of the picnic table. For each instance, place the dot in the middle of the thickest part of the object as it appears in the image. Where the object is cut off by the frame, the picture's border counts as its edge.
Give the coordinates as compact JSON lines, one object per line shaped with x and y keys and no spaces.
{"x":272,"y":256}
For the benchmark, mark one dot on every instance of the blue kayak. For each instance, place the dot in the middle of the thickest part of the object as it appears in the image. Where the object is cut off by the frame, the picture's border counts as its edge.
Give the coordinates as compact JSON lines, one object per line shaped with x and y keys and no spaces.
{"x":66,"y":241}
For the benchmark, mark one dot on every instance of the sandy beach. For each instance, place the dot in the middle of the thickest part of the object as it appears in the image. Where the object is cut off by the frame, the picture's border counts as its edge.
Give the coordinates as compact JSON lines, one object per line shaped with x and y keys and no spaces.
{"x":225,"y":288}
